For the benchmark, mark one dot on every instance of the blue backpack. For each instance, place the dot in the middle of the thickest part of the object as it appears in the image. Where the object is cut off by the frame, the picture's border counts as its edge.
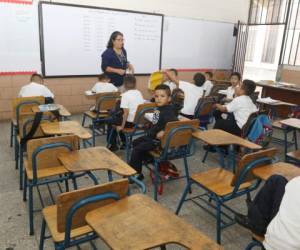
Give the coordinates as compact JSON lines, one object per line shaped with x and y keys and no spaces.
{"x":259,"y":130}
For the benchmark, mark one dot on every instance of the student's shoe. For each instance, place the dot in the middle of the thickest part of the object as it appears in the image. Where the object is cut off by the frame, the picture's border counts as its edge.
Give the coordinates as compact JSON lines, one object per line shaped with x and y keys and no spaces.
{"x":242,"y":220}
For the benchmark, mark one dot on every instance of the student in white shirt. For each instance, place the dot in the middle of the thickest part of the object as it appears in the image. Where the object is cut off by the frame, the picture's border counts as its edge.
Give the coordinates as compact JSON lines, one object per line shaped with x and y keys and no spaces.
{"x":172,"y":74}
{"x":192,"y":93}
{"x":208,"y":85}
{"x":103,"y":85}
{"x":275,"y":214}
{"x":36,"y":87}
{"x":235,"y":80}
{"x":130,"y":100}
{"x":241,"y":107}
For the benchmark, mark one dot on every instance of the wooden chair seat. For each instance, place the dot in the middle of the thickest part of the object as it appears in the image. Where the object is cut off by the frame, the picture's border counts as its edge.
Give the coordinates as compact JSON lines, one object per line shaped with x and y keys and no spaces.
{"x":257,"y":237}
{"x":93,"y":115}
{"x":46,"y":172}
{"x":218,"y":181}
{"x":50,"y":215}
{"x":294,"y":154}
{"x":128,"y":130}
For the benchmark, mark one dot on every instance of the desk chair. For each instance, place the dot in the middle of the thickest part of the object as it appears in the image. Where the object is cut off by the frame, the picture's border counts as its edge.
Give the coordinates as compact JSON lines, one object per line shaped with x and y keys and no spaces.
{"x":42,"y":166}
{"x":176,"y":143}
{"x":104,"y":102}
{"x":257,"y":241}
{"x":221,"y":185}
{"x":215,"y":89}
{"x":204,"y":111}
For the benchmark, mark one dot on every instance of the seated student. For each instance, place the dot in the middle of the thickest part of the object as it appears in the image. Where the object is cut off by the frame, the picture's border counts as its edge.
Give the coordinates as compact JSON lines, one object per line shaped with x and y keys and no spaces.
{"x":208,"y":85}
{"x":241,"y":107}
{"x":274,"y":213}
{"x":165,"y":113}
{"x":36,"y":87}
{"x":235,"y":80}
{"x":192,"y":93}
{"x":103,"y":85}
{"x":172,"y":74}
{"x":130,"y":100}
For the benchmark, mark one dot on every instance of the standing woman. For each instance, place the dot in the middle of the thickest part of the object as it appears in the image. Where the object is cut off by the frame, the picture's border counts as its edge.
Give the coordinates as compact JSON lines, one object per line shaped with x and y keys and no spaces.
{"x":114,"y":59}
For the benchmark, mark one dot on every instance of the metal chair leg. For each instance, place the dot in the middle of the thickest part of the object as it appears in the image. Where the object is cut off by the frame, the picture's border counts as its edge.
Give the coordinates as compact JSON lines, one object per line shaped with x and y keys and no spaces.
{"x":83,"y":120}
{"x":205,"y":156}
{"x":254,"y":244}
{"x":156,"y":177}
{"x":21,"y":160}
{"x":11,"y":133}
{"x":30,"y":204}
{"x":218,"y":215}
{"x":42,"y":237}
{"x":25,"y":187}
{"x":94,"y":134}
{"x":182,"y":199}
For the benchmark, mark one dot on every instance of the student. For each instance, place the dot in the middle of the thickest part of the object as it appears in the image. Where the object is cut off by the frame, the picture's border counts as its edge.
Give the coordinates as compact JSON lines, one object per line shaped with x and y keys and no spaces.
{"x":130,"y":100}
{"x":208,"y":85}
{"x":235,"y":80}
{"x":241,"y":107}
{"x":192,"y":93}
{"x":275,"y":214}
{"x":36,"y":87}
{"x":103,"y":85}
{"x":172,"y":74}
{"x":165,"y":113}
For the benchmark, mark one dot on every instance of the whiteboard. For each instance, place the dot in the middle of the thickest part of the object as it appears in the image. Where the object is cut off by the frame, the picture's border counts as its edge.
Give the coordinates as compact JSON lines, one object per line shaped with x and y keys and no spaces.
{"x":74,"y":37}
{"x":197,"y":44}
{"x":19,"y":42}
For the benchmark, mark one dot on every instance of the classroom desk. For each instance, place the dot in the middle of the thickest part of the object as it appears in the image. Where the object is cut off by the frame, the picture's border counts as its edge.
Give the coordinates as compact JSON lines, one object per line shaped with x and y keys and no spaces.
{"x":137,"y":222}
{"x":61,"y":109}
{"x":289,"y":171}
{"x":274,"y":107}
{"x":218,"y":137}
{"x":96,"y":158}
{"x":65,"y":127}
{"x":281,"y":92}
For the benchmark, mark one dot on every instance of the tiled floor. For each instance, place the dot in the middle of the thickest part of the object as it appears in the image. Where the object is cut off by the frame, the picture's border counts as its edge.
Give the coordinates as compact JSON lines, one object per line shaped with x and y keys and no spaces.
{"x":14,"y":212}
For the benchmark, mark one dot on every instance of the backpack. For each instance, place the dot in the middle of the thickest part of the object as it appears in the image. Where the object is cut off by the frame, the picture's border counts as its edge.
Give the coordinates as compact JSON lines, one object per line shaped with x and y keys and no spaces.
{"x":259,"y":129}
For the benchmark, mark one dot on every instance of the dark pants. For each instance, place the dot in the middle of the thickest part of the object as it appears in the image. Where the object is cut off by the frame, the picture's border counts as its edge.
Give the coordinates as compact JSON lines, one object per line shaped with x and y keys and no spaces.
{"x":191,"y":117}
{"x":141,"y":147}
{"x":266,"y":204}
{"x":229,"y":125}
{"x":113,"y":138}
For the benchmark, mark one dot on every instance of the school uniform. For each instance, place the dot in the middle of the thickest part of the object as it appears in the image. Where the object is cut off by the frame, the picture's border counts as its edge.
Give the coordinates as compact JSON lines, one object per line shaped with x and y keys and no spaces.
{"x":144,"y":144}
{"x":171,"y":85}
{"x":35,"y":89}
{"x":103,"y":87}
{"x":230,"y":92}
{"x":207,"y":87}
{"x":192,"y":93}
{"x":240,"y":108}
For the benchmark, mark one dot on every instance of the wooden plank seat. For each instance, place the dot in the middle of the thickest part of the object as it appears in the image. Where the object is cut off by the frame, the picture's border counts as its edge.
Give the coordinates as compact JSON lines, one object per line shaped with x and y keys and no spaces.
{"x":55,"y":217}
{"x":294,"y":154}
{"x":93,"y":114}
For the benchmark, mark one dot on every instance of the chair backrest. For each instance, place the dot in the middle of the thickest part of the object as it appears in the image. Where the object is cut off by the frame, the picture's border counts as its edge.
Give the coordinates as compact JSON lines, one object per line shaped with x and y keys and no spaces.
{"x":49,"y":157}
{"x":258,"y":159}
{"x":204,"y":106}
{"x":178,"y":133}
{"x":215,"y":89}
{"x":66,"y":200}
{"x":142,"y":109}
{"x":106,"y":101}
{"x":25,"y":104}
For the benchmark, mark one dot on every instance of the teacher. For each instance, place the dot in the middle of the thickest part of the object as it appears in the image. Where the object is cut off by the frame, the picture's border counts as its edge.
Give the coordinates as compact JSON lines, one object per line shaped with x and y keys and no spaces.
{"x":114,"y":59}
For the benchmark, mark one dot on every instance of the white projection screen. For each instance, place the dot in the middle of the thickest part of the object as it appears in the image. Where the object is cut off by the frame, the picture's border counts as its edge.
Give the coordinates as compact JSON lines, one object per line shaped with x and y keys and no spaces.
{"x":74,"y":37}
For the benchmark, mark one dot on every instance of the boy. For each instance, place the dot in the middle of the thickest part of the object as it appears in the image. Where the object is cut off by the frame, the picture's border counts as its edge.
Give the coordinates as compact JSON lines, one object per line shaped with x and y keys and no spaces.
{"x":192,"y":92}
{"x":235,"y":80}
{"x":208,"y":85}
{"x":103,"y":85}
{"x":36,"y":87}
{"x":241,"y":108}
{"x":165,"y":113}
{"x":130,"y":100}
{"x":168,"y":80}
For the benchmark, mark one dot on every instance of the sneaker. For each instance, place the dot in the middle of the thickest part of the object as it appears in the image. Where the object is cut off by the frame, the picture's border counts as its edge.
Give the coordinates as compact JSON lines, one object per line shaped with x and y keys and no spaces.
{"x":243,"y":220}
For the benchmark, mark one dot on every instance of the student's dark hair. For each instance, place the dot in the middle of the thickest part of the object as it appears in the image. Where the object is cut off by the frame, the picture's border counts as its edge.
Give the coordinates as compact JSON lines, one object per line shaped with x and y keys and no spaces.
{"x":113,"y":37}
{"x":209,"y":73}
{"x":164,"y":87}
{"x":175,"y":71}
{"x":129,"y":82}
{"x":237,"y":74}
{"x":199,"y":79}
{"x":103,"y":76}
{"x":36,"y":75}
{"x":249,"y":87}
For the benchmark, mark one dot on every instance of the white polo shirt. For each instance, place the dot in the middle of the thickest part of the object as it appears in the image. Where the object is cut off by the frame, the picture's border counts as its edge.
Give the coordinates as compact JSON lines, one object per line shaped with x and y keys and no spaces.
{"x":103,"y":87}
{"x":131,"y":99}
{"x":192,"y":93}
{"x":35,"y":89}
{"x":241,"y":107}
{"x":283,"y":232}
{"x":207,"y":86}
{"x":171,"y":85}
{"x":230,"y":92}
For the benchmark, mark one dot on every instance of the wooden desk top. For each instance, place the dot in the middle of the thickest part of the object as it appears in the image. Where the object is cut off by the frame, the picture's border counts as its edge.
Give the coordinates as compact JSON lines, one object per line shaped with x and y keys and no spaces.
{"x":218,"y":137}
{"x":137,"y":222}
{"x":96,"y":158}
{"x":62,"y":110}
{"x":65,"y":127}
{"x":289,"y":171}
{"x":277,"y":103}
{"x":280,"y":86}
{"x":291,"y":122}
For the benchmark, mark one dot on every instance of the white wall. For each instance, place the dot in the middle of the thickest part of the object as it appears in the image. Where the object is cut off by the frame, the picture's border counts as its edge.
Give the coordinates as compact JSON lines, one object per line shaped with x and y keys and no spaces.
{"x":218,"y":10}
